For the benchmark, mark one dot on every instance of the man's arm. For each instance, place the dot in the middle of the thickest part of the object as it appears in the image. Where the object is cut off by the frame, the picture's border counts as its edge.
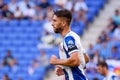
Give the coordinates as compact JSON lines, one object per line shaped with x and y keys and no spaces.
{"x":72,"y":61}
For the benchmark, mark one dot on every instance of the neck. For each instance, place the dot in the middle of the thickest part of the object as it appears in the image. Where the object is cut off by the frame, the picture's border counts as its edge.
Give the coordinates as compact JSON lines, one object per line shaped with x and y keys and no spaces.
{"x":65,"y":31}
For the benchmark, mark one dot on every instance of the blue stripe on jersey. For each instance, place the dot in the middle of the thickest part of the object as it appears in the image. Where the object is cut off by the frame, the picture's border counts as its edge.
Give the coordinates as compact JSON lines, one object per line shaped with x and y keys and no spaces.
{"x":66,"y":75}
{"x":77,"y":74}
{"x":113,"y":77}
{"x":66,"y":52}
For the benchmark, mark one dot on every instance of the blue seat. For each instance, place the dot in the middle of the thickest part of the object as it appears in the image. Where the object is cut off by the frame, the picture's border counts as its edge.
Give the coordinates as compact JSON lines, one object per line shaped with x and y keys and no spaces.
{"x":7,"y":1}
{"x":51,"y":2}
{"x":28,"y":56}
{"x":39,"y":74}
{"x":92,"y":2}
{"x":90,"y":17}
{"x":17,"y":55}
{"x":24,"y":23}
{"x":13,"y":23}
{"x":78,"y":27}
{"x":93,"y":10}
{"x":22,"y":75}
{"x":5,"y":43}
{"x":1,"y":75}
{"x":18,"y":29}
{"x":23,"y":62}
{"x":35,"y":23}
{"x":3,"y":23}
{"x":5,"y":70}
{"x":7,"y":30}
{"x":30,"y":30}
{"x":1,"y":29}
{"x":16,"y":43}
{"x":2,"y":36}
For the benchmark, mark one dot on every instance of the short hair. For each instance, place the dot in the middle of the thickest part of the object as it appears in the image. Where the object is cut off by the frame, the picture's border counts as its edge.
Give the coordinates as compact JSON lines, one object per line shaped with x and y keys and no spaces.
{"x":103,"y":64}
{"x":64,"y":13}
{"x":115,"y":47}
{"x":5,"y":75}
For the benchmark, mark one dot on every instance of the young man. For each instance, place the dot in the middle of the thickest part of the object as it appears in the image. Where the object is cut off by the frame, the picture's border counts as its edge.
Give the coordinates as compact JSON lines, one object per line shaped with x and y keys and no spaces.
{"x":102,"y":68}
{"x":72,"y":59}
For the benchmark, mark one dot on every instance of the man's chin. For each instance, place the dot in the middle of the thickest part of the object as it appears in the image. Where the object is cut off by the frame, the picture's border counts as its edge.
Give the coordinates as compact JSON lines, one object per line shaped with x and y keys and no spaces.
{"x":56,"y":32}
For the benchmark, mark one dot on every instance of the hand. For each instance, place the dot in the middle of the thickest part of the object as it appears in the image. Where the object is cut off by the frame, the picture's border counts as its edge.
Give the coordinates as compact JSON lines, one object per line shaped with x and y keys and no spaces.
{"x":53,"y":60}
{"x":59,"y":71}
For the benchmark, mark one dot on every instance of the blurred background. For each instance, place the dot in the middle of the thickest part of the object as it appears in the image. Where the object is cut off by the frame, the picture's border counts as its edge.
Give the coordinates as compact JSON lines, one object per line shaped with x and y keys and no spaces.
{"x":27,"y":40}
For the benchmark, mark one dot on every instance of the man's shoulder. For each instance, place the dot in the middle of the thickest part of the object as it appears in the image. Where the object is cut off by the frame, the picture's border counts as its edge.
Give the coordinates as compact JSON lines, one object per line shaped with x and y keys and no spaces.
{"x":72,"y":34}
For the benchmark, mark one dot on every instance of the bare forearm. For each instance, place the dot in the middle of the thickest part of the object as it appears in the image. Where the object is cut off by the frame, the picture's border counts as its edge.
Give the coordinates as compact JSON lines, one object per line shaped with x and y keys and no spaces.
{"x":68,"y":62}
{"x":72,"y":61}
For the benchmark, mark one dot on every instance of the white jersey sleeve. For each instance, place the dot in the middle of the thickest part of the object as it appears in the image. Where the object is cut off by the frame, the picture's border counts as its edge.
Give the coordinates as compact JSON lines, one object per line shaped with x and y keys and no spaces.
{"x":72,"y":44}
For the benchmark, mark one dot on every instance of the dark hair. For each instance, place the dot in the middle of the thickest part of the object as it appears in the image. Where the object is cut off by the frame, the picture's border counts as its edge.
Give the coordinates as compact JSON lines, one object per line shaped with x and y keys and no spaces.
{"x":103,"y":64}
{"x":115,"y":47}
{"x":64,"y":13}
{"x":5,"y":75}
{"x":117,"y":10}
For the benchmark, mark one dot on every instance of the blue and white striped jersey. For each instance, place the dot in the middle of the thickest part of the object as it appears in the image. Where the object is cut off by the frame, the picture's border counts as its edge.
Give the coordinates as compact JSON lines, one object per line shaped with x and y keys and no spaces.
{"x":71,"y":43}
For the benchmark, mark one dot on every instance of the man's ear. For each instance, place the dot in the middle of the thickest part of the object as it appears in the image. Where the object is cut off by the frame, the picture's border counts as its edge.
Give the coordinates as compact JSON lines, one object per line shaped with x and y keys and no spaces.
{"x":104,"y":68}
{"x":63,"y":22}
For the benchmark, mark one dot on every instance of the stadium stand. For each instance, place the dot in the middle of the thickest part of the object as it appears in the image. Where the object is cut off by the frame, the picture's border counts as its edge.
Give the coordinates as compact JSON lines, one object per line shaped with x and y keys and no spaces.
{"x":21,"y":36}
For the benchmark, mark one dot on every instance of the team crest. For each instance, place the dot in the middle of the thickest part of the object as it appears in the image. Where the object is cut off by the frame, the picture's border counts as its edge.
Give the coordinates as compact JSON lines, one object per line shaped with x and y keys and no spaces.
{"x":71,"y":44}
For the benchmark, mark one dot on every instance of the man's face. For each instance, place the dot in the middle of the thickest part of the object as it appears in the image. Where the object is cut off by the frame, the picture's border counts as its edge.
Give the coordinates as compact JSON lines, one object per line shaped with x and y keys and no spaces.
{"x":100,"y":70}
{"x":57,"y":24}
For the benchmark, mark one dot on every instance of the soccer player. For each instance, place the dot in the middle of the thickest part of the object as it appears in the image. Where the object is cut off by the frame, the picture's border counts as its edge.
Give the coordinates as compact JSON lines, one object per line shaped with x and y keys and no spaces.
{"x":72,"y":56}
{"x":102,"y":68}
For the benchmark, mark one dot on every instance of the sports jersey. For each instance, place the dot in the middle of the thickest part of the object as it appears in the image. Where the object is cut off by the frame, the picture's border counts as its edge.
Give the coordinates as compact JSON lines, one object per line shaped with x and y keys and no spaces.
{"x":71,"y":43}
{"x":111,"y":76}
